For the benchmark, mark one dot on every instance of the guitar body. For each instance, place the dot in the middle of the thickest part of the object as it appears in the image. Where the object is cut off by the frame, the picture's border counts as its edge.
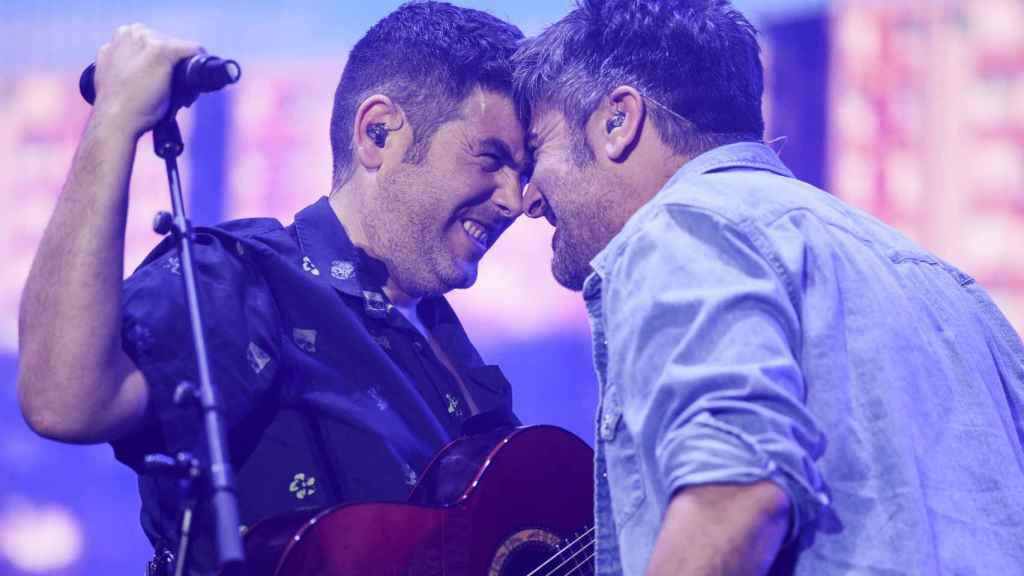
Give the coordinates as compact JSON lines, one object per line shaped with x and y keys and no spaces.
{"x":500,"y":504}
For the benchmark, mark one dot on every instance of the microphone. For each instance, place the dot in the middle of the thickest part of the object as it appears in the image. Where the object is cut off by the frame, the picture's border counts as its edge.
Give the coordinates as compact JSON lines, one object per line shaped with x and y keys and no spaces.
{"x":191,"y":77}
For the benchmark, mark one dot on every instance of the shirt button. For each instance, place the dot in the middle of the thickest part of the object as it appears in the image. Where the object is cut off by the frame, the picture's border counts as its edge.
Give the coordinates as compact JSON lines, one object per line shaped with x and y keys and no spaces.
{"x":418,"y":346}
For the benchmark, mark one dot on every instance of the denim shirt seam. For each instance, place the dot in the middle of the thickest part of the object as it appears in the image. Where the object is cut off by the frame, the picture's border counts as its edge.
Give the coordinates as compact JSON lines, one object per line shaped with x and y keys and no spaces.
{"x":1003,"y":330}
{"x":775,"y":218}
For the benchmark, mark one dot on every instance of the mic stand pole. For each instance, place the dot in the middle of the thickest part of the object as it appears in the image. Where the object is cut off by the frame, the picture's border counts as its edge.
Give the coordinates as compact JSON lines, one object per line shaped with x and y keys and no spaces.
{"x":223,"y":496}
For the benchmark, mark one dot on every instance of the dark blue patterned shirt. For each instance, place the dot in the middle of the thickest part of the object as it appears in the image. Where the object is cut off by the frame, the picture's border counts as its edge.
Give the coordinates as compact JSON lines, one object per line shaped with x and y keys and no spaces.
{"x":330,"y":394}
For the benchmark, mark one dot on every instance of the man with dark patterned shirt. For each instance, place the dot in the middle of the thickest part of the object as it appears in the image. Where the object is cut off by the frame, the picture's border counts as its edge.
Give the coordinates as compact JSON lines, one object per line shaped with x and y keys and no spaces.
{"x":341,"y":367}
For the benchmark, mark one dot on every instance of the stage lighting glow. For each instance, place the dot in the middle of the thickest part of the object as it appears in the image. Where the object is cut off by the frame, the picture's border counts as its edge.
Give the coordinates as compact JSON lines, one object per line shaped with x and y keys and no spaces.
{"x":928,"y":130}
{"x":43,"y":120}
{"x":40,"y":539}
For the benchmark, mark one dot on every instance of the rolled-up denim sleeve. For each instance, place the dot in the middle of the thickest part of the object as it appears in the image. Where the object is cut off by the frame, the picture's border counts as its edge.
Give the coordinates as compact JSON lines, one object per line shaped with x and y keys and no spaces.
{"x":703,"y":337}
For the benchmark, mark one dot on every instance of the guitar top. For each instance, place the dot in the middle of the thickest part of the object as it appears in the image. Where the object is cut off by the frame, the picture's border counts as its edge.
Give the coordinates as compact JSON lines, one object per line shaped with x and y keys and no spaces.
{"x":515,"y":502}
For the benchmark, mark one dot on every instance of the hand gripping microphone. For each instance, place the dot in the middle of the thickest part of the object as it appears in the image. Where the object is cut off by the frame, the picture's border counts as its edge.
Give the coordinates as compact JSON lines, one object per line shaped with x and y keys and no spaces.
{"x":191,"y":77}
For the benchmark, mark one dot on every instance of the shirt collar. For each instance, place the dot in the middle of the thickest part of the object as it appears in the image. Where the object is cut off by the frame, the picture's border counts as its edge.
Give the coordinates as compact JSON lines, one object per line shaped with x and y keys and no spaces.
{"x":328,"y":253}
{"x":750,"y":155}
{"x":745,"y":155}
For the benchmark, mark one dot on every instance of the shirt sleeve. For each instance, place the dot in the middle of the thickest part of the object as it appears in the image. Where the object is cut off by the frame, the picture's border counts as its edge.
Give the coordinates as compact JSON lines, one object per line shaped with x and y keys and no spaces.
{"x":241,"y":336}
{"x":703,"y":336}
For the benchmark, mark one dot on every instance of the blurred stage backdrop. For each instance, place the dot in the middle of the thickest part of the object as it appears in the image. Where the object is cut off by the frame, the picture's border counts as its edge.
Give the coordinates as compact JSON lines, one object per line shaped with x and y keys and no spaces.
{"x":912,"y":110}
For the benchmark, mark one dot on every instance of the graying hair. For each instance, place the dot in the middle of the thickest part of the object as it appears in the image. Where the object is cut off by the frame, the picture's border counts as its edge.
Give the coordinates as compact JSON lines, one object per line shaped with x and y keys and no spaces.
{"x":697,"y":59}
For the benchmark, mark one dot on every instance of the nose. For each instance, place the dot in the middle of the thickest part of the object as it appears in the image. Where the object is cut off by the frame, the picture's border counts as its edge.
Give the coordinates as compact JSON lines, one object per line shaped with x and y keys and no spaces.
{"x":533,"y":200}
{"x":508,"y":197}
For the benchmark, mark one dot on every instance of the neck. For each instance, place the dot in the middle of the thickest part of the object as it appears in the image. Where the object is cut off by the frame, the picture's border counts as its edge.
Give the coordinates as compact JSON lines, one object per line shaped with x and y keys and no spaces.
{"x":647,"y":172}
{"x":400,"y":297}
{"x":409,"y":311}
{"x":346,"y":203}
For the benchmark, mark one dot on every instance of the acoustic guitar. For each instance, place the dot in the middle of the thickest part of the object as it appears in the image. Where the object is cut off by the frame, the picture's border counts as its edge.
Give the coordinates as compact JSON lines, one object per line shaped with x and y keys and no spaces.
{"x":515,"y":502}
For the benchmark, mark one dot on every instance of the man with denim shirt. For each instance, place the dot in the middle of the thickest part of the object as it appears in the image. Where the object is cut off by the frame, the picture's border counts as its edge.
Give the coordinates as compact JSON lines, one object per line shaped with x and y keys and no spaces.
{"x":787,"y":385}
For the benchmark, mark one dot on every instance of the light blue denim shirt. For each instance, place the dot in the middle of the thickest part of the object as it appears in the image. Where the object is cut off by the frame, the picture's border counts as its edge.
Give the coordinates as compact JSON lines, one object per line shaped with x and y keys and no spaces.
{"x":749,"y":326}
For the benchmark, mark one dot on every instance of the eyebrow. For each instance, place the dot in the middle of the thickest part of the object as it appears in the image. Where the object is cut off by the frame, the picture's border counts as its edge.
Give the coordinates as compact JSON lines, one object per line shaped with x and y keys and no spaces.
{"x":500,"y":148}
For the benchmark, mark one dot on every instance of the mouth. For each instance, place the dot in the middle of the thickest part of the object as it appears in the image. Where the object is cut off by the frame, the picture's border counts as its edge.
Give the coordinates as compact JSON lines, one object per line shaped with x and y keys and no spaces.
{"x":478,"y":232}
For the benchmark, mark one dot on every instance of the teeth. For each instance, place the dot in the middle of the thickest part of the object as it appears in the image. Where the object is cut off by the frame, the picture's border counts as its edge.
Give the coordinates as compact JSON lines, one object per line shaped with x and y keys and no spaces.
{"x":475,"y":231}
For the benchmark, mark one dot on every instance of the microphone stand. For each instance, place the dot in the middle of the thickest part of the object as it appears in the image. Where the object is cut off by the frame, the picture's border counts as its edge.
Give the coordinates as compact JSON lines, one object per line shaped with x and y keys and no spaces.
{"x":218,"y":472}
{"x":200,"y":73}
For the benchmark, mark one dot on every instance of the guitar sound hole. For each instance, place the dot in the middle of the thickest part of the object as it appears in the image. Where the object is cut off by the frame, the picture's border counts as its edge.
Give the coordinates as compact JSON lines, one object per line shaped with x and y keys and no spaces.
{"x":526,"y":557}
{"x":538,"y":552}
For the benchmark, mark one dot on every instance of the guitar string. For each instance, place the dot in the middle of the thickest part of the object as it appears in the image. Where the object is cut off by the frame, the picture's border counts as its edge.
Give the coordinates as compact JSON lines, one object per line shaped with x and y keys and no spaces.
{"x":537,"y":570}
{"x":570,"y":558}
{"x":567,"y":548}
{"x":581,"y":566}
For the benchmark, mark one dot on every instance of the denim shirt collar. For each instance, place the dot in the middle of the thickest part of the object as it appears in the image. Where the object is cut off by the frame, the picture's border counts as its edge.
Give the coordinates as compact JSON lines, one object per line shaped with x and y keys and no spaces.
{"x":746,"y":155}
{"x":750,"y":155}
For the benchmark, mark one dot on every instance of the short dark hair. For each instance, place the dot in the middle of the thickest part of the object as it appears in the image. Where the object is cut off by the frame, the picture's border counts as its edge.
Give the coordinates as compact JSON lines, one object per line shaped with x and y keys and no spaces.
{"x":427,"y":57}
{"x":698,"y":58}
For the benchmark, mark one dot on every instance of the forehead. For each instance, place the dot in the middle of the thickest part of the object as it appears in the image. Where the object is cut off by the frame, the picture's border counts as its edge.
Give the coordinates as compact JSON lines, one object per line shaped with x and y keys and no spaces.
{"x":546,"y":124}
{"x":490,"y":115}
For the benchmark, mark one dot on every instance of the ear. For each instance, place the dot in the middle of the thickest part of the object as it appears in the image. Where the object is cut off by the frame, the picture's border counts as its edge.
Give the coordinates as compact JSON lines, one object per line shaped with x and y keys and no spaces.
{"x":379,"y":116}
{"x":615,"y":126}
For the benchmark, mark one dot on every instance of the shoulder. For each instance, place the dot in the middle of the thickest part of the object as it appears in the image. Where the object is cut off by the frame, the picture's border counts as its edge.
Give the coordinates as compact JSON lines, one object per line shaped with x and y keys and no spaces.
{"x":229,"y":273}
{"x":743,"y":206}
{"x":229,"y":254}
{"x":682,"y":237}
{"x":674,"y":244}
{"x":744,"y":195}
{"x":671,"y":225}
{"x":247,"y":228}
{"x":224,"y":240}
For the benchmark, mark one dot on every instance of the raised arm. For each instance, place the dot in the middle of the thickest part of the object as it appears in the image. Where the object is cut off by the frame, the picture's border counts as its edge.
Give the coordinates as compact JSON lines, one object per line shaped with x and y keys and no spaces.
{"x":75,"y":383}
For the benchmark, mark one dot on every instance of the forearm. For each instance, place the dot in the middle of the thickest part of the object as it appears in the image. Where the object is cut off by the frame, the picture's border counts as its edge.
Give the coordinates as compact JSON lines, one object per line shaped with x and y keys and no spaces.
{"x":74,"y":381}
{"x":721,"y":530}
{"x":69,"y":323}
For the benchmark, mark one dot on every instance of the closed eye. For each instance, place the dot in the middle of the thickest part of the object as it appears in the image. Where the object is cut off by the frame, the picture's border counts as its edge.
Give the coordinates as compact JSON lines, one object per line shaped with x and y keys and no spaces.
{"x":491,"y":162}
{"x":496,"y":154}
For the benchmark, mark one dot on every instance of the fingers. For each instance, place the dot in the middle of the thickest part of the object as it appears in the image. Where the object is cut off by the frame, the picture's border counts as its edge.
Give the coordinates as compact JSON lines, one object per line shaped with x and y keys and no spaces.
{"x":140,"y":37}
{"x":101,"y":54}
{"x":133,"y":76}
{"x":179,"y":49}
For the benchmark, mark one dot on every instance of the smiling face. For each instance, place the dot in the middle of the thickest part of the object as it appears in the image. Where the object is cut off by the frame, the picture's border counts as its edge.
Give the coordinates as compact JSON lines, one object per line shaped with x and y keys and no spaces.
{"x":579,"y":199}
{"x":432,"y":222}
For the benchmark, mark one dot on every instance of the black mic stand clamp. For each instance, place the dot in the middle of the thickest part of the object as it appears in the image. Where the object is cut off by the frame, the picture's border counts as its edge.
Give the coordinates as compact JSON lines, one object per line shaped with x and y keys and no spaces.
{"x":168,"y":144}
{"x":187,"y":470}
